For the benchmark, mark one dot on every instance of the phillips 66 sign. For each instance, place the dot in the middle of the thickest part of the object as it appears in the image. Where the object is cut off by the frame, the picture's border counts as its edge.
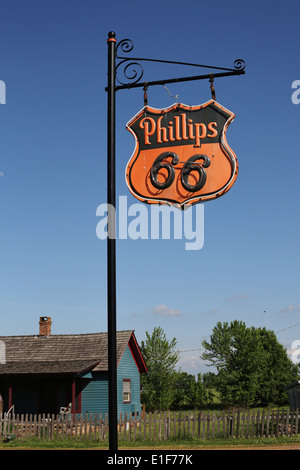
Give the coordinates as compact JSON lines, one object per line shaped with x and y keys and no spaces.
{"x":181,"y":155}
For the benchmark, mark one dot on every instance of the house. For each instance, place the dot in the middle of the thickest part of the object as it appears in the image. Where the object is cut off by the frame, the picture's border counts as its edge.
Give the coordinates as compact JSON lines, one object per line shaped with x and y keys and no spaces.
{"x":293,"y":390}
{"x":42,"y":373}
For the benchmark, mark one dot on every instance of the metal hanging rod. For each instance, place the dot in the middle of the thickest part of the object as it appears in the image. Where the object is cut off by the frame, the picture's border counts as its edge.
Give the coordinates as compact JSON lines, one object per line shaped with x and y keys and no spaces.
{"x":177,"y":80}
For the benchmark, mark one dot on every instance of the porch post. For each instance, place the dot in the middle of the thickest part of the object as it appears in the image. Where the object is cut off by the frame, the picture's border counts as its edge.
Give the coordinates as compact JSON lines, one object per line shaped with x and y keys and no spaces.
{"x":73,"y":397}
{"x":9,"y":396}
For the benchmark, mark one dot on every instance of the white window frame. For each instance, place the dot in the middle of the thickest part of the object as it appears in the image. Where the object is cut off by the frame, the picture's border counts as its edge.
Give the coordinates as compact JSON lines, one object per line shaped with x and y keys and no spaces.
{"x":126,"y":391}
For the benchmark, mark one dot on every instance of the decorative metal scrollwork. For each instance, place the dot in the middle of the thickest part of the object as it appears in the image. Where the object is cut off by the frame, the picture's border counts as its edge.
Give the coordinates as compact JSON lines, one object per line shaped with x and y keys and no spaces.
{"x":239,"y":64}
{"x":126,"y":45}
{"x":132,"y":71}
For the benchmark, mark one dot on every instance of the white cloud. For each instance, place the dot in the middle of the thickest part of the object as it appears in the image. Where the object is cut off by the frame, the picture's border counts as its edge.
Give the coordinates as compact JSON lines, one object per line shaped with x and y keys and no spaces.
{"x":289,"y":308}
{"x":166,"y":311}
{"x":192,"y":363}
{"x":237,"y":297}
{"x":213,"y":310}
{"x":189,"y":363}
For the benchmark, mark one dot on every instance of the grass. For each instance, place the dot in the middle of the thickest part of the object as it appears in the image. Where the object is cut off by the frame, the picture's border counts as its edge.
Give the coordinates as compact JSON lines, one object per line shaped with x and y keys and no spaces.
{"x":188,"y":444}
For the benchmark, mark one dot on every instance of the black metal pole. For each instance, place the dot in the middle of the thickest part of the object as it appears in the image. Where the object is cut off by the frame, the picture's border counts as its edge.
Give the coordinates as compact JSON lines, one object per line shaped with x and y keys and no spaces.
{"x":111,"y":246}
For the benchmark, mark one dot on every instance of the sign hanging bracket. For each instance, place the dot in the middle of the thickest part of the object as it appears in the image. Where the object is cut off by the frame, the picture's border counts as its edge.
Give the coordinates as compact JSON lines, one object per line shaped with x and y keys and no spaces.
{"x":212,"y":88}
{"x":133,"y":70}
{"x":145,"y":94}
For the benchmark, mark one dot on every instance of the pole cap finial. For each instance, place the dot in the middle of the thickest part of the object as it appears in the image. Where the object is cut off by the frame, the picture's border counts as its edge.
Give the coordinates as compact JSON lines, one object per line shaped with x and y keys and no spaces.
{"x":111,"y":37}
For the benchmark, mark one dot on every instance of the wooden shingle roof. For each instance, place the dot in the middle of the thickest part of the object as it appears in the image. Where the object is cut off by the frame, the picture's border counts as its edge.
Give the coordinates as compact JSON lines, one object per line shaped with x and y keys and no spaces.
{"x":67,"y":354}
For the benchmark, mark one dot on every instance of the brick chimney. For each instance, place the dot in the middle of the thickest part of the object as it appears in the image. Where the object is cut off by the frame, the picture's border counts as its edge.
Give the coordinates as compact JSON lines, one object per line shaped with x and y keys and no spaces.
{"x":45,"y":326}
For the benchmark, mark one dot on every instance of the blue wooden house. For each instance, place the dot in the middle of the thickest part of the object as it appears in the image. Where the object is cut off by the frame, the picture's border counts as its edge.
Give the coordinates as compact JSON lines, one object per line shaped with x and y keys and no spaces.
{"x":43,"y":373}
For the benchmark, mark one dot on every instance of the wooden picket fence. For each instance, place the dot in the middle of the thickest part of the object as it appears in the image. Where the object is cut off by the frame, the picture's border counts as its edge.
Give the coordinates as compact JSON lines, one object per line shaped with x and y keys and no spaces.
{"x":155,"y":426}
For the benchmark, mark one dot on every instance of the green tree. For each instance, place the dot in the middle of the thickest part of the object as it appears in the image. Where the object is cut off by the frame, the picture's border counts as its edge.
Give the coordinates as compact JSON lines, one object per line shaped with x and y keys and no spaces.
{"x":209,"y":379}
{"x":277,"y":371}
{"x":252,"y":367}
{"x":161,"y":357}
{"x":184,"y":391}
{"x":189,"y":392}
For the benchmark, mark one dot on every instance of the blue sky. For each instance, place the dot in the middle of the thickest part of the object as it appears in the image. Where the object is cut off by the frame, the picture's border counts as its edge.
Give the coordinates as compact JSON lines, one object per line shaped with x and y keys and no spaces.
{"x":53,"y":170}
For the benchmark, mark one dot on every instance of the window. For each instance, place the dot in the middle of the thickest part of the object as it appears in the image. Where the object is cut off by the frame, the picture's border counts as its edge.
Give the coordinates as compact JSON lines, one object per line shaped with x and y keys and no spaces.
{"x":126,"y":391}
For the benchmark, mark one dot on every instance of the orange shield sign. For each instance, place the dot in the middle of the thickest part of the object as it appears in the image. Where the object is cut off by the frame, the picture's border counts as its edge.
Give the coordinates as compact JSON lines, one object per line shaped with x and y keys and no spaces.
{"x":181,"y":154}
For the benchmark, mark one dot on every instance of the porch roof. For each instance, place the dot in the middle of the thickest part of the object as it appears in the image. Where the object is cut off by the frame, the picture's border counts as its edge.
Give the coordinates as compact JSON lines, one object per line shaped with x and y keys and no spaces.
{"x":47,"y":367}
